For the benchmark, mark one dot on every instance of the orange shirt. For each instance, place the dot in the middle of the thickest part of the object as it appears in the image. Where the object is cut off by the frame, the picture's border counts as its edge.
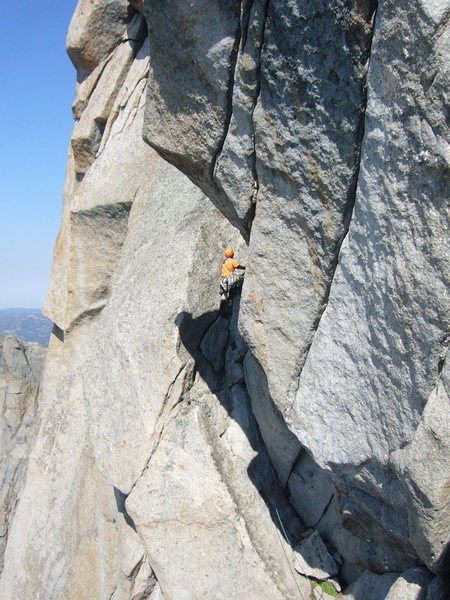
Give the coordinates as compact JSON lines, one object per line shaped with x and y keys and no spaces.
{"x":228,"y":266}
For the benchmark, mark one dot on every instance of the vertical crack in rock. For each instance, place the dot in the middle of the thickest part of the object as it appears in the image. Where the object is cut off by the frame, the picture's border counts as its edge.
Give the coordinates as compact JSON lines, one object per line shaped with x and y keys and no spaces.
{"x":253,"y":157}
{"x":360,"y":133}
{"x":230,"y":89}
{"x":161,"y":422}
{"x":327,"y":506}
{"x":358,"y":148}
{"x":217,"y":340}
{"x":189,"y":98}
{"x":167,"y":408}
{"x":79,"y":104}
{"x":258,"y":92}
{"x":348,"y":211}
{"x":234,"y":168}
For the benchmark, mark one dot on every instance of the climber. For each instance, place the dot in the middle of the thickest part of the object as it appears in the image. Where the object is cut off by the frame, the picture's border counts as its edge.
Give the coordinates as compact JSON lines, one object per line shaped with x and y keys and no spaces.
{"x":229,"y":280}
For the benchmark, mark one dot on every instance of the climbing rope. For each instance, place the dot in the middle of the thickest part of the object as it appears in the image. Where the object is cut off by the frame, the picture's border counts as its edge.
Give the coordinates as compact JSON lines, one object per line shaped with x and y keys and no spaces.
{"x":318,"y":588}
{"x":284,"y":552}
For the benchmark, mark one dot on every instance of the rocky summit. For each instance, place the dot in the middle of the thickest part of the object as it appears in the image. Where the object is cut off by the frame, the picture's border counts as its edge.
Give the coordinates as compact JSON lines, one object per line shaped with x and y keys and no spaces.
{"x":292,"y":442}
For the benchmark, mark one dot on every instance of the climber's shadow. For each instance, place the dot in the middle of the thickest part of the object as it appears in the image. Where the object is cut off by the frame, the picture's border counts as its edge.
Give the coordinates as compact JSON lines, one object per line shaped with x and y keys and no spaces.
{"x":212,"y":340}
{"x":192,"y":331}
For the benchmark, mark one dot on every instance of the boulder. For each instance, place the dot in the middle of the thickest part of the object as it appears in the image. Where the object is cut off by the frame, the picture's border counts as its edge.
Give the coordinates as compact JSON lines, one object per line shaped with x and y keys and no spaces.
{"x":411,"y":585}
{"x":95,"y":29}
{"x":310,"y":489}
{"x":313,"y":559}
{"x":370,"y":586}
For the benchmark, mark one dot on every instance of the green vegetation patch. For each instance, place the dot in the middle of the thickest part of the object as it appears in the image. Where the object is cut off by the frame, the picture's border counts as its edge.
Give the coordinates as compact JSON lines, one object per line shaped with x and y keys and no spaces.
{"x":326,"y":586}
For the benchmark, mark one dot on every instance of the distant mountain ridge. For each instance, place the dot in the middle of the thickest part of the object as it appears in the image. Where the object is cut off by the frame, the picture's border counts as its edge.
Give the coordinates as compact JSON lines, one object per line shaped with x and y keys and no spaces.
{"x":27,"y":324}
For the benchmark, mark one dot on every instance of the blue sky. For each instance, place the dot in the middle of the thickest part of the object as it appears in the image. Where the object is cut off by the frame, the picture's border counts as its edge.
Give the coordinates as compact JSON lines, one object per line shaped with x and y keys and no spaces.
{"x":37,"y":89}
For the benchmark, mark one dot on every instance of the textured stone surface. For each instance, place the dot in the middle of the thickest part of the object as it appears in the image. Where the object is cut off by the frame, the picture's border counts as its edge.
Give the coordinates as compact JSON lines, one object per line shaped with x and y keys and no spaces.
{"x":439,"y":588}
{"x":133,"y":437}
{"x":302,"y":125}
{"x":310,"y":489}
{"x":21,"y":367}
{"x":188,"y":103}
{"x":371,"y":586}
{"x":66,"y":512}
{"x":95,"y":29}
{"x":188,"y":87}
{"x":68,"y":529}
{"x":95,"y":214}
{"x":181,"y":452}
{"x":389,"y":289}
{"x":281,"y":444}
{"x":351,"y":531}
{"x":411,"y":585}
{"x":187,"y":517}
{"x":428,"y":499}
{"x":313,"y":559}
{"x":88,"y":130}
{"x":302,"y":211}
{"x":139,"y":329}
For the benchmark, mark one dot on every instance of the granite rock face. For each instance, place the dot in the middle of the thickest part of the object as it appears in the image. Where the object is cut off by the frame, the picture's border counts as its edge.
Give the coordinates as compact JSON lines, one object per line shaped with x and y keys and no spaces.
{"x":195,"y":449}
{"x":95,"y":30}
{"x":21,"y":366}
{"x":377,"y":354}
